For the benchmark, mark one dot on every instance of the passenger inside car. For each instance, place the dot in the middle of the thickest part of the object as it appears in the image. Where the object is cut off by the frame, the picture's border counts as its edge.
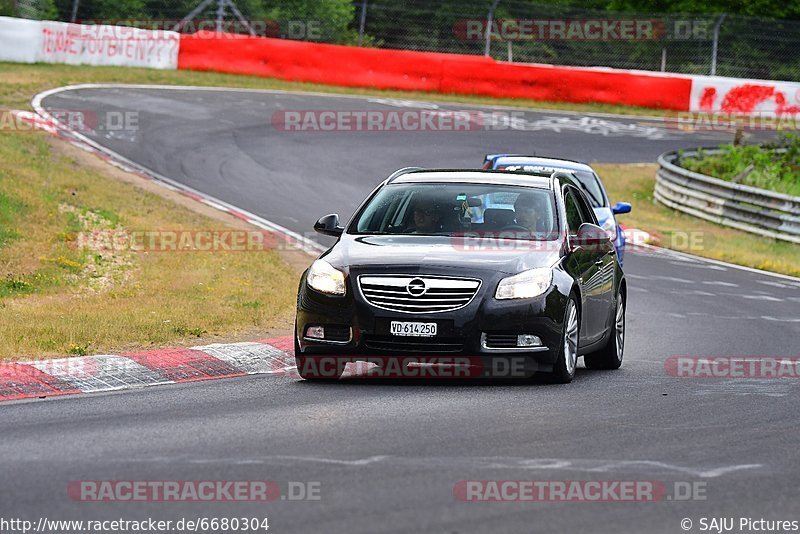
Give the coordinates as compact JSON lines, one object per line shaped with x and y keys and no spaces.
{"x":533,"y":212}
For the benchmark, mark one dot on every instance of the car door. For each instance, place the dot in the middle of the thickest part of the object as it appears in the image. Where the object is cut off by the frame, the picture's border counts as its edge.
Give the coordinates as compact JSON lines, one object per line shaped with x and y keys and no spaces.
{"x":589,"y":265}
{"x":600,"y":292}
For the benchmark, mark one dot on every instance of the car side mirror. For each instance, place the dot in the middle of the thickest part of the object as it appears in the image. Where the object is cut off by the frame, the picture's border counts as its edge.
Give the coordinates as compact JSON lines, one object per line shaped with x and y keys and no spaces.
{"x":620,"y":208}
{"x":329,"y":225}
{"x":589,"y":237}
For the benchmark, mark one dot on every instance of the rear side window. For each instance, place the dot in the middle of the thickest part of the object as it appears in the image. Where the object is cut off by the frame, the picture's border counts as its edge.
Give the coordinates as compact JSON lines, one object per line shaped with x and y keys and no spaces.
{"x":575,"y":211}
{"x":587,"y":213}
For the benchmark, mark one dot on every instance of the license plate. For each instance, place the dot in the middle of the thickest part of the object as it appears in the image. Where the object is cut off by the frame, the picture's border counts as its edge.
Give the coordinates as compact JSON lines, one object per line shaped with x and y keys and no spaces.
{"x":407,"y":328}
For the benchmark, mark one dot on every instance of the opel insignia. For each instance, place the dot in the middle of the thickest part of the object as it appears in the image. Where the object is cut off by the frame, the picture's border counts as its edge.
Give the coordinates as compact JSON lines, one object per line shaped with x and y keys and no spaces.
{"x":481,"y":264}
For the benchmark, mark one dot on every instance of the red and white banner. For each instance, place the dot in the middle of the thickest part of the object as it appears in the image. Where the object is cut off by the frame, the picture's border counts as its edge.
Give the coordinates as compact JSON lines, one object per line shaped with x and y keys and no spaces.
{"x":737,"y":95}
{"x":27,"y":41}
{"x":78,"y":44}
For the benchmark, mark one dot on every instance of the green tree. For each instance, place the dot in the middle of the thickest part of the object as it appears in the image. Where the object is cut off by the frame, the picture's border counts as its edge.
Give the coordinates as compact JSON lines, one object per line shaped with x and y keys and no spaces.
{"x":313,"y":20}
{"x":100,"y":10}
{"x":779,"y":9}
{"x":6,"y":8}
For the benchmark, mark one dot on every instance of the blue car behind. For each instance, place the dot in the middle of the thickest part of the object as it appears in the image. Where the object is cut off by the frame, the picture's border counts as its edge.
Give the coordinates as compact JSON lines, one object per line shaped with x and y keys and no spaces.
{"x":586,"y":176}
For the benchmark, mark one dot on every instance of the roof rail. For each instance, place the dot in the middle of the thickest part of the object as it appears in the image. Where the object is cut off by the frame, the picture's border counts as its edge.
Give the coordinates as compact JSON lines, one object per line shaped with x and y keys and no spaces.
{"x":401,"y":172}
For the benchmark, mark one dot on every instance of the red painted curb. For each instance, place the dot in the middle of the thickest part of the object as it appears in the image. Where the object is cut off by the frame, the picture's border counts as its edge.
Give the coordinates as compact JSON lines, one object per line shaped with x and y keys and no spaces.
{"x":22,"y":381}
{"x":69,"y":376}
{"x":184,"y":365}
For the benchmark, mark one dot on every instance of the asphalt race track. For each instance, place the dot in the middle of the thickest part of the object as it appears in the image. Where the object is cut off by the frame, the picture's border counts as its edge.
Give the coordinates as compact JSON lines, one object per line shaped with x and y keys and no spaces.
{"x":387,"y":454}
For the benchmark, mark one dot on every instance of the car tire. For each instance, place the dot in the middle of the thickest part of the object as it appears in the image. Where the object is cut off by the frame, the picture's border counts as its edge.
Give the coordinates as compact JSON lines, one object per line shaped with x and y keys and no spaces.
{"x":308,"y":369}
{"x":610,"y":356}
{"x":567,"y":360}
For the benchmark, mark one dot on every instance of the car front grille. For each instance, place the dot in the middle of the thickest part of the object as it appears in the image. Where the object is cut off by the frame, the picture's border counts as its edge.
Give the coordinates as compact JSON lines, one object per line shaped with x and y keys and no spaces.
{"x":418,"y":294}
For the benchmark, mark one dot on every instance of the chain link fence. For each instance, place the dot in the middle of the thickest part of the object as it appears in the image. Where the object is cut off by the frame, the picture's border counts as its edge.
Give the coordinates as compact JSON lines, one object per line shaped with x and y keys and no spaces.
{"x":567,"y":35}
{"x":524,"y":31}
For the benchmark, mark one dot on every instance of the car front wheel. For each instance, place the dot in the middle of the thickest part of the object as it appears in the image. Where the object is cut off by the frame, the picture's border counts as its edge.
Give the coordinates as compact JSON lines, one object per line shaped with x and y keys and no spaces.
{"x":567,"y":361}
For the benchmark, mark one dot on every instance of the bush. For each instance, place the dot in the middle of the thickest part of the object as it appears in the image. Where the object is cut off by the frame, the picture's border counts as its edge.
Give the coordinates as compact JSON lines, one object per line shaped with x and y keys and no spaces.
{"x":758,"y":166}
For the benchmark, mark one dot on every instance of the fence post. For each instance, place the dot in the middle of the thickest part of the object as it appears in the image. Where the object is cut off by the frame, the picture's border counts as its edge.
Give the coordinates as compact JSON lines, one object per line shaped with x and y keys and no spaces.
{"x":74,"y":11}
{"x":362,"y":23}
{"x":489,"y":19}
{"x":716,"y":44}
{"x":220,"y":15}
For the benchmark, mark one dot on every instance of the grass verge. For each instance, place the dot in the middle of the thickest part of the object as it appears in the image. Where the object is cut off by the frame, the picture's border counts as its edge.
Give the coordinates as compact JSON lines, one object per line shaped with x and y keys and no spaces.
{"x":58,"y":297}
{"x":672,"y":229}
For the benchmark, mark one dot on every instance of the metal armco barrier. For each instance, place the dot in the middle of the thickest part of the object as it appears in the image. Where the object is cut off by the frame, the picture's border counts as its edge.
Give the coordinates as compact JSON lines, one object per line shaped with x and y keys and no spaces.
{"x":747,"y":208}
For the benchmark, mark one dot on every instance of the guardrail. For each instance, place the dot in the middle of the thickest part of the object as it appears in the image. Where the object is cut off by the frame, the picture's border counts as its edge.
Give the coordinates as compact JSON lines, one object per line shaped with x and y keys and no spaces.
{"x":744,"y":207}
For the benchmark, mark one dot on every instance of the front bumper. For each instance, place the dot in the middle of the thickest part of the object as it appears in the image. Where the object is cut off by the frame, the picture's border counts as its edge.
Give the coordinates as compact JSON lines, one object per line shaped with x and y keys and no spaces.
{"x":363,"y":330}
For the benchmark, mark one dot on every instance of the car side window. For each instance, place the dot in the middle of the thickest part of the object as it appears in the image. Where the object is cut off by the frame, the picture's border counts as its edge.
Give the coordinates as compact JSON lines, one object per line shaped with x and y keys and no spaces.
{"x":587,"y":213}
{"x":573,"y":211}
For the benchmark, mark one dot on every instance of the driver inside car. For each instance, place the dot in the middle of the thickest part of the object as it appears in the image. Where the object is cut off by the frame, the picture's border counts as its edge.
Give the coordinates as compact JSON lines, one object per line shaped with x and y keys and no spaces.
{"x":532,"y":212}
{"x":427,"y":216}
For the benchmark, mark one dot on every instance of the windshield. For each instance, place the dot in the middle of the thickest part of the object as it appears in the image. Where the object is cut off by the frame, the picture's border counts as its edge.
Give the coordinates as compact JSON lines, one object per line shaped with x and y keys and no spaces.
{"x":512,"y":212}
{"x":590,"y":183}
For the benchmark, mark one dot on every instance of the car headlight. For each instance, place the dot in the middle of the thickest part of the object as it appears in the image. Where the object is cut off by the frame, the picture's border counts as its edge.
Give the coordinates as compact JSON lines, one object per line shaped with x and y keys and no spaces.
{"x":525,"y":285}
{"x":325,"y":279}
{"x":610,"y":226}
